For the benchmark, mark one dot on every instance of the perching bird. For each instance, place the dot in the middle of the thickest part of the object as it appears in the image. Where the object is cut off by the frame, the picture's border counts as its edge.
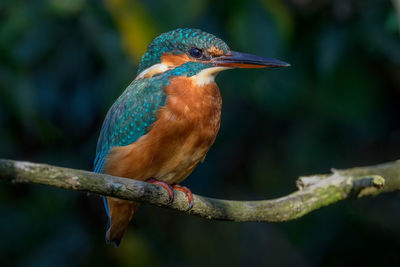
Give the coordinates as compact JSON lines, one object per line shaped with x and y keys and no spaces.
{"x":166,"y":120}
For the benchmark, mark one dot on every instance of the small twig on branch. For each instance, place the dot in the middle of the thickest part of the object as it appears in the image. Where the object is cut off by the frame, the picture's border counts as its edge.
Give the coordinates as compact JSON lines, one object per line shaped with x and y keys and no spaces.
{"x":314,"y":192}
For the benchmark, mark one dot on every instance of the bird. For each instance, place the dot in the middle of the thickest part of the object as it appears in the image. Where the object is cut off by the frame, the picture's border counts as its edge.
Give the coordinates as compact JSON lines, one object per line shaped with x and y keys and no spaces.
{"x":167,"y":119}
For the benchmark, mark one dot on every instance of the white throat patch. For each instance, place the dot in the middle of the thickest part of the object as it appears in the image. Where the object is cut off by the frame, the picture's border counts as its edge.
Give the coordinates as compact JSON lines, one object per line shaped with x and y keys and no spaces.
{"x":207,"y":76}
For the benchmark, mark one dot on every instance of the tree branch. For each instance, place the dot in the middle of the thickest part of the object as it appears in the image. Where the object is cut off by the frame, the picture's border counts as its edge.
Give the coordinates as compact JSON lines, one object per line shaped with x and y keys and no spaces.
{"x":314,"y":192}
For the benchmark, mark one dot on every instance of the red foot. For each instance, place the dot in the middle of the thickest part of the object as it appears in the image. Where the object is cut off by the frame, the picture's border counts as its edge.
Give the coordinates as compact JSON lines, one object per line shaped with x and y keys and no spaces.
{"x":187,"y":192}
{"x":167,"y":187}
{"x":170,"y":190}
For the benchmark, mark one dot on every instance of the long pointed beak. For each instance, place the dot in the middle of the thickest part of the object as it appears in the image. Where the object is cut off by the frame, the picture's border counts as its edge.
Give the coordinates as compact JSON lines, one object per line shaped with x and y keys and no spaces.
{"x":243,"y":60}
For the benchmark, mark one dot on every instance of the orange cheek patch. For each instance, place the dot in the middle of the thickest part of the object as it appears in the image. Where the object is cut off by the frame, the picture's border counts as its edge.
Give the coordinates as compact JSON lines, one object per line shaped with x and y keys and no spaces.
{"x":215,"y":51}
{"x":173,"y":61}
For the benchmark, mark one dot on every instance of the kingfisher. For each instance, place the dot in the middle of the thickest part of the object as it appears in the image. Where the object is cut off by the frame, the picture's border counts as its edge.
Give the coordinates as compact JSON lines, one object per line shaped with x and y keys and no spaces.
{"x":166,"y":120}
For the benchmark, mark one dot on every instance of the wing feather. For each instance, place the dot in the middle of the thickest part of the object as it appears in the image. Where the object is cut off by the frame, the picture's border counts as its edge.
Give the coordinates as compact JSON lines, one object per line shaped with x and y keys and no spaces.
{"x":130,"y":116}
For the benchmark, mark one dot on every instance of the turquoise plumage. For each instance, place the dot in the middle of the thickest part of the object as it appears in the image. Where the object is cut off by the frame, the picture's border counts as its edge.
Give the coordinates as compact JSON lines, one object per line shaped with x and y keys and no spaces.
{"x":178,"y":41}
{"x":129,"y":117}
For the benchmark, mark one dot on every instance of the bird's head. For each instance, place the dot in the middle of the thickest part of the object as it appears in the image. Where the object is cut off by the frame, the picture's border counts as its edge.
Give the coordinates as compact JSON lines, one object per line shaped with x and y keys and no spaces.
{"x":191,"y":51}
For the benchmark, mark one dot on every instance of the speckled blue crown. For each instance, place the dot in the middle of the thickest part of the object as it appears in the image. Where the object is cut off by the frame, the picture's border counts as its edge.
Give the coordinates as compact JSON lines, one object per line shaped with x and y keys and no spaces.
{"x":179,"y":40}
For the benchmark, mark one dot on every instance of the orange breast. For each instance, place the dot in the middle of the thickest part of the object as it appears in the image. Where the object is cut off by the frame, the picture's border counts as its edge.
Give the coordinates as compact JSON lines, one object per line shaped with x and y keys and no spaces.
{"x":185,"y":130}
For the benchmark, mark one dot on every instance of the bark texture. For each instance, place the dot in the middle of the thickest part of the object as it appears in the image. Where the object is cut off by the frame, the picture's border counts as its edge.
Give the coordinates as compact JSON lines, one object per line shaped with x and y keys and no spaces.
{"x":314,"y":191}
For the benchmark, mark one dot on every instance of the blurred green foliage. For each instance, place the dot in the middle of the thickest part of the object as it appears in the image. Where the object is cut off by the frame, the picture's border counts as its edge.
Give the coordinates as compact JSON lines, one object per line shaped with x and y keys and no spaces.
{"x":63,"y":63}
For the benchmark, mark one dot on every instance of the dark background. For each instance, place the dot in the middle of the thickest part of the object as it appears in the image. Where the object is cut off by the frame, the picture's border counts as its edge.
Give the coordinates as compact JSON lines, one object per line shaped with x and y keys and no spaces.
{"x":63,"y":63}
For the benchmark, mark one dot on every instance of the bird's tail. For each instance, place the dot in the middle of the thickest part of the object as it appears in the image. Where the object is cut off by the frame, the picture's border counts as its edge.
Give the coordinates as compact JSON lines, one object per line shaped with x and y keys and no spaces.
{"x":119,"y":213}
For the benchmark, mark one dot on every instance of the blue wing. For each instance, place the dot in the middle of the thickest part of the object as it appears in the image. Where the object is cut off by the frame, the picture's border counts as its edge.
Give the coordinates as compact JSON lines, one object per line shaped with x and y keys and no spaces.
{"x":129,"y":118}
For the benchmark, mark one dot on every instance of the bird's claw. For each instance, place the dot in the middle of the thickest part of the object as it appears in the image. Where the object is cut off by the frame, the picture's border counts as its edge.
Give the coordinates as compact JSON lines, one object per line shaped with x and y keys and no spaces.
{"x":170,"y":190}
{"x":167,"y":187}
{"x":187,"y":192}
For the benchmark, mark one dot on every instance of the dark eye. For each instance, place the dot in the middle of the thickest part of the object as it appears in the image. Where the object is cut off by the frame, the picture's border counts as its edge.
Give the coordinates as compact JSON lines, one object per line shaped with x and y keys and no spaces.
{"x":195,"y":52}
